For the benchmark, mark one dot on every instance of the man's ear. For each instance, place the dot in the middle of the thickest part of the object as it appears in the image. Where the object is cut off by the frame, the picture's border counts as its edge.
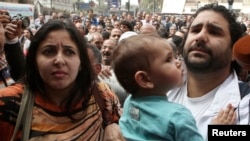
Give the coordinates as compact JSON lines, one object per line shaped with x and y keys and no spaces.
{"x":98,"y":68}
{"x":143,"y":79}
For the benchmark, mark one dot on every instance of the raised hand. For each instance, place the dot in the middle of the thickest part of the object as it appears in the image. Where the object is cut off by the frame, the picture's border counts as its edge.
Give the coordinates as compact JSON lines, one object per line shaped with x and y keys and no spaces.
{"x":4,"y":17}
{"x":105,"y":73}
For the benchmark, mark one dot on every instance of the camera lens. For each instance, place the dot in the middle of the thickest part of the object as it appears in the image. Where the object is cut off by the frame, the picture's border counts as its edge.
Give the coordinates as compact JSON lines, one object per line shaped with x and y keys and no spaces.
{"x":25,"y":21}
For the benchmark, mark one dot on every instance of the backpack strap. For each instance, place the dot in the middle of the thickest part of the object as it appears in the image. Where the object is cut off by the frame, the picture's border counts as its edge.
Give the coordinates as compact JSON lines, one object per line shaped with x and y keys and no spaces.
{"x":24,"y":116}
{"x":27,"y":117}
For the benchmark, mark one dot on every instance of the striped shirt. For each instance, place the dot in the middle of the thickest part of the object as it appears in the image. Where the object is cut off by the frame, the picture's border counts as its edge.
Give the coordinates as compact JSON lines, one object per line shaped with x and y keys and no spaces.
{"x":49,"y":123}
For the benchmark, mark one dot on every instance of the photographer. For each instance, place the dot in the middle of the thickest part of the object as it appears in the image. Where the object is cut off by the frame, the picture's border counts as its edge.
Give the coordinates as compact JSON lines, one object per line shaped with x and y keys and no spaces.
{"x":12,"y":59}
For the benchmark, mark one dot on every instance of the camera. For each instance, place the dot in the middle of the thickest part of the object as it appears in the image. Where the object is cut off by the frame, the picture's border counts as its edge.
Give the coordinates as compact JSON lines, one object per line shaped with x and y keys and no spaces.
{"x":25,"y":20}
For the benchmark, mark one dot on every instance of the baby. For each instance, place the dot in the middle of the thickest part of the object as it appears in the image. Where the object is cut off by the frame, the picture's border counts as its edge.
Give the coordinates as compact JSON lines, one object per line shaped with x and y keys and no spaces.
{"x":146,"y":67}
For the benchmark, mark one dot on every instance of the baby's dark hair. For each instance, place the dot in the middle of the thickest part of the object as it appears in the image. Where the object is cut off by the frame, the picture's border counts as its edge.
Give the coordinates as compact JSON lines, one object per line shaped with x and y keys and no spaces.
{"x":131,"y":55}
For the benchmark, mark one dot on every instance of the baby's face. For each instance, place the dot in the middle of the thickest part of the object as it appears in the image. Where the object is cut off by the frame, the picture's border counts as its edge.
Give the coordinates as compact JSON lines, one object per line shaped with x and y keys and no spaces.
{"x":165,"y":70}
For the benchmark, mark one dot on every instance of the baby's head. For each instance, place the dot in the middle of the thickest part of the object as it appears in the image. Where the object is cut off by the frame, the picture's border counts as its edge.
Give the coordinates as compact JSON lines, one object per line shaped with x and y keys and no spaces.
{"x":145,"y":64}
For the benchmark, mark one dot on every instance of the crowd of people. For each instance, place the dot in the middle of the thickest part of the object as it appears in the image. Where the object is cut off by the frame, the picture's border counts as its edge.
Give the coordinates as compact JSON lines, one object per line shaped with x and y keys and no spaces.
{"x":127,"y":78}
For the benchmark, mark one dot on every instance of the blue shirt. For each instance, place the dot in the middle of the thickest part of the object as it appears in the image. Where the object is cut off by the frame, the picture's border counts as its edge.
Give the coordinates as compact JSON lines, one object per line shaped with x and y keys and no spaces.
{"x":155,"y":118}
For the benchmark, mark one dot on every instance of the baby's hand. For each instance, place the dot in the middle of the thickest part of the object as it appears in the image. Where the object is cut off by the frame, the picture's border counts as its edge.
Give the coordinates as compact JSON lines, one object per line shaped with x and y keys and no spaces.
{"x":225,"y":117}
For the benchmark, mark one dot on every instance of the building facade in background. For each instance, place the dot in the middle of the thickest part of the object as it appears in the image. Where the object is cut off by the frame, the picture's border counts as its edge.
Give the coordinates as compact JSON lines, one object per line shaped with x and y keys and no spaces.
{"x":160,"y":6}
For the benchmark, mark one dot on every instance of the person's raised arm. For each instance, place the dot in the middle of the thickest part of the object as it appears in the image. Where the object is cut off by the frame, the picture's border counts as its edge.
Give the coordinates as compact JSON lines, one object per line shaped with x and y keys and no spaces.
{"x":12,"y":49}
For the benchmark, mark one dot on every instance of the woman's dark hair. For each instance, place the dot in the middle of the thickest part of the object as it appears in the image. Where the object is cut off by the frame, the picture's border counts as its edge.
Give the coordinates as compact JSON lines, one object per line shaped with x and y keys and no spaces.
{"x":85,"y":77}
{"x":31,"y":33}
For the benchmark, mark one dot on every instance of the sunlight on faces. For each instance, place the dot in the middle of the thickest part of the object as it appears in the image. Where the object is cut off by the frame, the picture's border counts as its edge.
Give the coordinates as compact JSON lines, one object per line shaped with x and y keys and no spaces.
{"x":58,"y":60}
{"x":207,"y":47}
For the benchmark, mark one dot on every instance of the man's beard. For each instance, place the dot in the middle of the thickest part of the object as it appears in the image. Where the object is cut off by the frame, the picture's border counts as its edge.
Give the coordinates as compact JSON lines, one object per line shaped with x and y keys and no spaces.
{"x":210,"y":65}
{"x":198,"y":67}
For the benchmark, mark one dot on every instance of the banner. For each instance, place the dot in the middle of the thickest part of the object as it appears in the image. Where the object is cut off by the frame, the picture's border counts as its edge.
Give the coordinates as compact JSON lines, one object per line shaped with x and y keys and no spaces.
{"x":114,"y":3}
{"x":173,"y":6}
{"x":14,"y":8}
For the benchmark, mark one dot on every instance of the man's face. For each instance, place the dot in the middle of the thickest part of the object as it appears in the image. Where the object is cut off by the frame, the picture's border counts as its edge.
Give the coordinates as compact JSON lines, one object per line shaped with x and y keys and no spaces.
{"x":124,"y":28}
{"x":116,"y":24}
{"x":208,"y":44}
{"x":99,"y":29}
{"x":54,"y":16}
{"x":147,"y":17}
{"x":172,"y":30}
{"x":80,"y":28}
{"x":107,"y":51}
{"x":92,"y":29}
{"x":97,"y":41}
{"x":108,"y":22}
{"x":94,"y":63}
{"x":87,"y":22}
{"x":81,"y":14}
{"x":138,"y":24}
{"x":115,"y":34}
{"x":90,"y":13}
{"x":155,"y":24}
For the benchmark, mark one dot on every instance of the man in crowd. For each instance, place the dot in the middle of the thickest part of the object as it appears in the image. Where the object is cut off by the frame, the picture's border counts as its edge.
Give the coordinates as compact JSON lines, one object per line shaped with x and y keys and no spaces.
{"x":211,"y":84}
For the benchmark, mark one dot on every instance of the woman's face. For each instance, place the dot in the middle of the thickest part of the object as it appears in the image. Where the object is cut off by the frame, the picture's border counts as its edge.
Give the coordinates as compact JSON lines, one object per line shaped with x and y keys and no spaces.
{"x":26,"y":34}
{"x":58,"y":60}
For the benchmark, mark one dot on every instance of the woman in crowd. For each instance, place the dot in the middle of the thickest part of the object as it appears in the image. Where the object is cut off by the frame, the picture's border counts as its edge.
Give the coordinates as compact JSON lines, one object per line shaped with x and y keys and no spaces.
{"x":60,"y":92}
{"x":28,"y":35}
